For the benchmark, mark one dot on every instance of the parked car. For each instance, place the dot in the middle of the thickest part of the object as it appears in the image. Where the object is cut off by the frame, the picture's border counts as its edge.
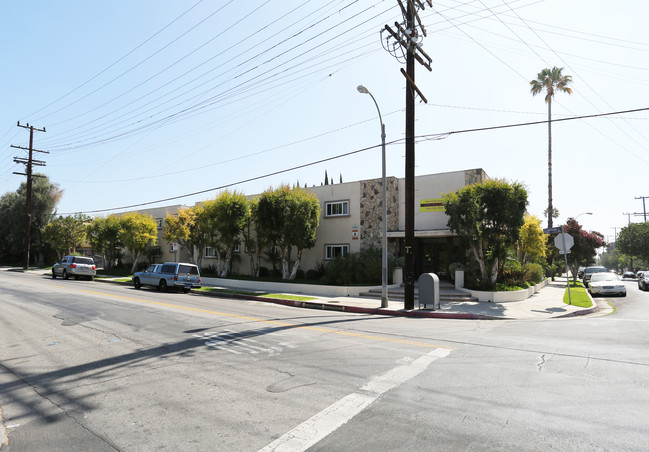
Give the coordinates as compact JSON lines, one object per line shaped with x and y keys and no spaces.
{"x":639,"y":274}
{"x":643,"y":281}
{"x":580,"y":272}
{"x":589,"y":271}
{"x":170,"y":274}
{"x":629,"y":275}
{"x":76,"y":266}
{"x":606,"y":284}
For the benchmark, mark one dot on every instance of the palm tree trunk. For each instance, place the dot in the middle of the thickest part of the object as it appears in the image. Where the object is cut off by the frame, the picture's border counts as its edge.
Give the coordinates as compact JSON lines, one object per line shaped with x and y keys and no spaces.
{"x":550,"y":208}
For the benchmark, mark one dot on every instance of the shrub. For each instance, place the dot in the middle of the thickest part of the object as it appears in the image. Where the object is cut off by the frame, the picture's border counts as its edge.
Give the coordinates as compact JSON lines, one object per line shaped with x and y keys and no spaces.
{"x":512,"y":277}
{"x":534,"y":273}
{"x":356,"y":268}
{"x":299,"y":274}
{"x":263,"y":272}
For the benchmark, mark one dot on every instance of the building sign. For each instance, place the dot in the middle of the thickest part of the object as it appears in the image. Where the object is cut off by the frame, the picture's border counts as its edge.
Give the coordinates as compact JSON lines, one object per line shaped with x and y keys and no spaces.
{"x":431,"y":205}
{"x":355,"y":232}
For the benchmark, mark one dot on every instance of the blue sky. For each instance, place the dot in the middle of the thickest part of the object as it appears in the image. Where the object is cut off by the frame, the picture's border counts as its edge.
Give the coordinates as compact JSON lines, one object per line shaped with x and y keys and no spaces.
{"x":148,"y":100}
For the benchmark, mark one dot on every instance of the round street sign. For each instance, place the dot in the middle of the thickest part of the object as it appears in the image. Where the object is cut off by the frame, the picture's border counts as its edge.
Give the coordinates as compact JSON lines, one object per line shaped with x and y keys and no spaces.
{"x":564,"y":242}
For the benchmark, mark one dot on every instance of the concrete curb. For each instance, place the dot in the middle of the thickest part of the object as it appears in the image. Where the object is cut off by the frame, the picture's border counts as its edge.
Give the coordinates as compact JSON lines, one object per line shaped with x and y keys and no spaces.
{"x":340,"y":308}
{"x":584,"y":311}
{"x":322,"y":306}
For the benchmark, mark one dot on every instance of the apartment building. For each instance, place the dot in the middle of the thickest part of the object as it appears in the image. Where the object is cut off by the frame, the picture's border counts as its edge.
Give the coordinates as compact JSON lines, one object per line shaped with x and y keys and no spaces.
{"x":351,"y":220}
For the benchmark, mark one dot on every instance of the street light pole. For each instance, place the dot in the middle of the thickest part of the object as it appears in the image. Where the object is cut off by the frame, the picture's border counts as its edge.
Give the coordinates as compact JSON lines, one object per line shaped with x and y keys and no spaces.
{"x":384,"y":232}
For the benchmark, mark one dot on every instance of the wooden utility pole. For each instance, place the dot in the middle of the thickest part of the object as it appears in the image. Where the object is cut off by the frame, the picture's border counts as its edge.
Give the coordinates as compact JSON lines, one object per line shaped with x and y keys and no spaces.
{"x":29,"y":163}
{"x":407,"y":47}
{"x":644,"y":209}
{"x":409,"y":261}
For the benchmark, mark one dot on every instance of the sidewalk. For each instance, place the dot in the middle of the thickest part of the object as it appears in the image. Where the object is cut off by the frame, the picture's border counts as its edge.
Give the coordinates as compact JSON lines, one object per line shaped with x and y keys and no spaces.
{"x":545,"y":304}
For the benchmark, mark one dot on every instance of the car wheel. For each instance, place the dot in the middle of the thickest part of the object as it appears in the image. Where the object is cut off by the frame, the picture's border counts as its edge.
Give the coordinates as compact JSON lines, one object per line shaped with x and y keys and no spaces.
{"x":162,"y":285}
{"x":623,"y":294}
{"x":185,"y":290}
{"x":65,"y":274}
{"x":53,"y":275}
{"x":136,"y":283}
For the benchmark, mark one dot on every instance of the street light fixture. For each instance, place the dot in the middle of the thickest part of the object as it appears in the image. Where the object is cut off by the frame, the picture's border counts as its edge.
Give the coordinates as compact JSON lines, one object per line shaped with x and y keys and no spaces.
{"x":585,"y":213}
{"x":384,"y":235}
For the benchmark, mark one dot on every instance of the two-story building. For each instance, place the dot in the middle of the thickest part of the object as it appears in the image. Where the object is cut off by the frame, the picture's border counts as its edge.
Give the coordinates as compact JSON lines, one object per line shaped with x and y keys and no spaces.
{"x":351,"y":220}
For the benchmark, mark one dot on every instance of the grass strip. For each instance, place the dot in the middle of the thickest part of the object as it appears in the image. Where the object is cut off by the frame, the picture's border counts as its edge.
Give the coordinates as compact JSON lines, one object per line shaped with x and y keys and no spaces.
{"x":256,"y":294}
{"x":578,"y":296}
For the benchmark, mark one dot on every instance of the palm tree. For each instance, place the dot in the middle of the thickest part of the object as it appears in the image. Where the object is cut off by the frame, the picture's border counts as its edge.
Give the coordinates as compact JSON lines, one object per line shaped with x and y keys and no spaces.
{"x":550,"y":80}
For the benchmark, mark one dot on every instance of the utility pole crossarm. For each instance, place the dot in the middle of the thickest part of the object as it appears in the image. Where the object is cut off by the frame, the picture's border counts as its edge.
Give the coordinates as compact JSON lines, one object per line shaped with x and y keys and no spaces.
{"x":28,"y":149}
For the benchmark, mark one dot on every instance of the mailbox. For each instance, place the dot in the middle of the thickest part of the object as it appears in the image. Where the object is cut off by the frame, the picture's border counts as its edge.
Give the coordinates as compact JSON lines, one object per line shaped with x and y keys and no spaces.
{"x":428,"y":290}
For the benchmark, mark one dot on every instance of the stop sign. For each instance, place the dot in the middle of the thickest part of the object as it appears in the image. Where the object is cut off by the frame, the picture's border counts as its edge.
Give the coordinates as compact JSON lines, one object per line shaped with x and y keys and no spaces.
{"x":564,"y":242}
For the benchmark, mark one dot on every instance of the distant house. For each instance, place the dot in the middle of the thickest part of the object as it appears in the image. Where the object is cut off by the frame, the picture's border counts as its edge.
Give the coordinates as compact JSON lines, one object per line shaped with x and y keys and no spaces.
{"x":351,"y":220}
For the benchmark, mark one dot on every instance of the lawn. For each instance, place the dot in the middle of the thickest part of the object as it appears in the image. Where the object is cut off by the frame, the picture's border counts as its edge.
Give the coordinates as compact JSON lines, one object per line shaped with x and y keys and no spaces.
{"x":256,"y":294}
{"x":578,"y":295}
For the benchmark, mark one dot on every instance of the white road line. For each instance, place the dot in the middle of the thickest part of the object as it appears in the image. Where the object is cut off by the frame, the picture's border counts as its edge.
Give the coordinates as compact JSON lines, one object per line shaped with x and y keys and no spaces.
{"x":331,"y":418}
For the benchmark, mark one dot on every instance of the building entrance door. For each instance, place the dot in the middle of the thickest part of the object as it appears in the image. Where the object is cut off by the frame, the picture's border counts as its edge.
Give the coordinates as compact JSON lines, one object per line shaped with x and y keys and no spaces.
{"x":432,"y":257}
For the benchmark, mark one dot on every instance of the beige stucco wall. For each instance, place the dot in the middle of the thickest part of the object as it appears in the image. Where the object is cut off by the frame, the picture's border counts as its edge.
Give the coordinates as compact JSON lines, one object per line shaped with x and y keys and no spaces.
{"x":340,"y":230}
{"x":433,"y":186}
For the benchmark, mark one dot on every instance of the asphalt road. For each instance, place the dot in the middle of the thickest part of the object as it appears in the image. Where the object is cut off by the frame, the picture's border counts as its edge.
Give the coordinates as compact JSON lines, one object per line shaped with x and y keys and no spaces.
{"x":97,"y":366}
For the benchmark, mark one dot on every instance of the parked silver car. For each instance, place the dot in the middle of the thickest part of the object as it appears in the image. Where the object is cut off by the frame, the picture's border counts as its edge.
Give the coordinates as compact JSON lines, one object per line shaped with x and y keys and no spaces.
{"x":643,"y":280}
{"x":589,"y":271}
{"x":76,"y":266}
{"x":170,"y":274}
{"x":606,"y":284}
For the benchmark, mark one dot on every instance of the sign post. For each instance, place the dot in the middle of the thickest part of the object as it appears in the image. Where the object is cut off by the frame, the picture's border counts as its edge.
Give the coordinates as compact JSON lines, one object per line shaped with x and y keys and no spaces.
{"x":564,"y":242}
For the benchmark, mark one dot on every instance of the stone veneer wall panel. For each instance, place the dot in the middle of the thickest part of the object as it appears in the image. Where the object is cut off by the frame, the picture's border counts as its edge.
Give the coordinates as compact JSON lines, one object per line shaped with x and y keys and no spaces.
{"x":371,"y":212}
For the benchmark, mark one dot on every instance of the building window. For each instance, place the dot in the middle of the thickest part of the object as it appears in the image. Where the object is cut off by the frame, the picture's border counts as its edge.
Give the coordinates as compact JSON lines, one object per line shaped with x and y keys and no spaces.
{"x":336,"y":208}
{"x":334,"y":251}
{"x":237,"y":248}
{"x":160,"y":222}
{"x":209,"y":252}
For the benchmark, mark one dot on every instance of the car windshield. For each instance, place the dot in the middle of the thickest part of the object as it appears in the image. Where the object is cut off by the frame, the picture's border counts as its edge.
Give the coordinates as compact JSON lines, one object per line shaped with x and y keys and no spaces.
{"x":605,"y":277}
{"x":595,"y":269}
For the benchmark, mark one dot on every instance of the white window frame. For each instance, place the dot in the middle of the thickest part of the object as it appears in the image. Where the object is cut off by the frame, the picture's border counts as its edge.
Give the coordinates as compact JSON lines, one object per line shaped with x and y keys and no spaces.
{"x":160,"y":222}
{"x":332,"y":205}
{"x":236,"y":248}
{"x":209,"y":255}
{"x":330,"y":254}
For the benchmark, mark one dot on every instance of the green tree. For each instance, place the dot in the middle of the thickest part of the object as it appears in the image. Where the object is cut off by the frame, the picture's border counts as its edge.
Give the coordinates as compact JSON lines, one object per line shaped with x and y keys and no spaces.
{"x":530,"y":246}
{"x":45,"y":197}
{"x":65,"y":234}
{"x":289,"y":218}
{"x":634,"y":240}
{"x":252,"y":239}
{"x":178,"y":228}
{"x":584,"y":250}
{"x":138,"y":231}
{"x":230,"y":214}
{"x":550,"y":81}
{"x":490,"y":215}
{"x":104,"y":238}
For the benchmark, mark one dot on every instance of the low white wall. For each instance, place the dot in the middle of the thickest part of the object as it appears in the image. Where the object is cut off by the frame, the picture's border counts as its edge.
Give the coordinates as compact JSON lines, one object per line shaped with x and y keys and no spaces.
{"x":278,"y":287}
{"x":504,"y":297}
